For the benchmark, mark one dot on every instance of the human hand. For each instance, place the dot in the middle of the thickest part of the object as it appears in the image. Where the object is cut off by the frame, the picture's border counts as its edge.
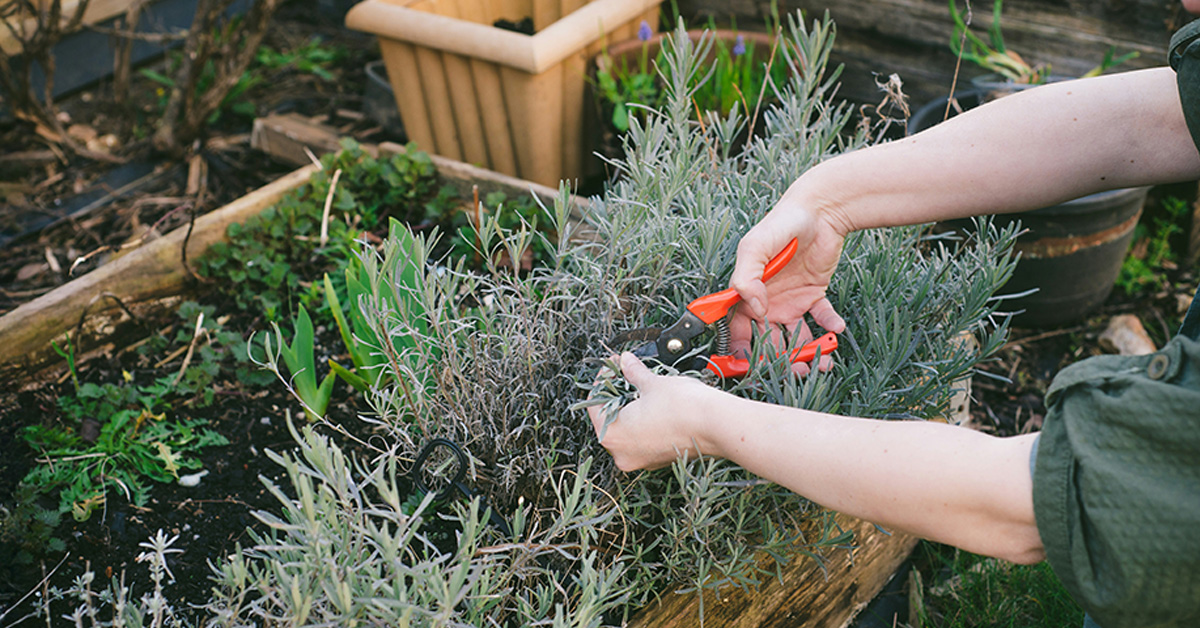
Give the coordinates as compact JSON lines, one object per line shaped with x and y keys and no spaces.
{"x":664,"y":422}
{"x":799,"y":288}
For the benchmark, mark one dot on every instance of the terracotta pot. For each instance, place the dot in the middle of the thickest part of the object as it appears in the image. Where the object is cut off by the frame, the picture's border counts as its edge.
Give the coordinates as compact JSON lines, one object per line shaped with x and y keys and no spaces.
{"x":1071,"y":253}
{"x":473,"y":92}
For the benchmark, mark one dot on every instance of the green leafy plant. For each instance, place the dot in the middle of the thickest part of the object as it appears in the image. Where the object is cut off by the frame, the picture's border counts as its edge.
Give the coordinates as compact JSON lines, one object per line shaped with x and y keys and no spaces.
{"x":1152,"y":250}
{"x":994,"y":56}
{"x":509,"y":216}
{"x":204,"y":78}
{"x":738,"y":77}
{"x":301,"y":364}
{"x":263,"y":265}
{"x":114,"y":437}
{"x":313,"y":57}
{"x":27,"y":527}
{"x":378,"y":311}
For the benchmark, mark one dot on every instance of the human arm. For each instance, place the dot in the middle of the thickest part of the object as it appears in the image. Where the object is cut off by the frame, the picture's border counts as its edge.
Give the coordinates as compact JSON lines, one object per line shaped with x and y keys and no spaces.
{"x":937,"y":481}
{"x":1024,"y":151}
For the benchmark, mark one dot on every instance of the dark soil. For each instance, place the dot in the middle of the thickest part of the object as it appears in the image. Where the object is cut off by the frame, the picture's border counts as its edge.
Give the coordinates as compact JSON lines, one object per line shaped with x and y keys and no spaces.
{"x":66,"y":216}
{"x":212,"y":519}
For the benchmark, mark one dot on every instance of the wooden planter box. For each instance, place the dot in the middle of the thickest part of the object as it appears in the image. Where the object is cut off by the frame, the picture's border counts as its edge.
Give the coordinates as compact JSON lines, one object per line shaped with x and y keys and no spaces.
{"x":510,"y":102}
{"x":806,"y":595}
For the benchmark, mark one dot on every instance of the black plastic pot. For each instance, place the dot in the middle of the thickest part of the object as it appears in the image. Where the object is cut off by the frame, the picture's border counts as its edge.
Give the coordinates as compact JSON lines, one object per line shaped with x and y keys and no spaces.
{"x":1071,"y":253}
{"x":379,"y":101}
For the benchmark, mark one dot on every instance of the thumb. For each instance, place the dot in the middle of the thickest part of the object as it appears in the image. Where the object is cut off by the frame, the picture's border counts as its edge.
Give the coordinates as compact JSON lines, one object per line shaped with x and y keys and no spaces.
{"x":754,"y":293}
{"x":634,"y":371}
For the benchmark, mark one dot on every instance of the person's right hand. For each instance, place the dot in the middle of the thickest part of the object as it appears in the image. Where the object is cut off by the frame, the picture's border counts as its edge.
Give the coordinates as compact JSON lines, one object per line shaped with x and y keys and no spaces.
{"x":799,"y":288}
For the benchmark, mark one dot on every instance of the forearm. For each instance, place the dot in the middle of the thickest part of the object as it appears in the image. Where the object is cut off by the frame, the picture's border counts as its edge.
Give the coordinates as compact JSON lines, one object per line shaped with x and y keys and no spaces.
{"x":1024,"y":151}
{"x":936,"y":481}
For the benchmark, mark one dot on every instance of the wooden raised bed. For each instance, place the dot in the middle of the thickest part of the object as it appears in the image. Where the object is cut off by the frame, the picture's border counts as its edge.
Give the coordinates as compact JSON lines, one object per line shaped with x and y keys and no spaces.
{"x":809,"y":595}
{"x":107,"y":306}
{"x":103,"y":308}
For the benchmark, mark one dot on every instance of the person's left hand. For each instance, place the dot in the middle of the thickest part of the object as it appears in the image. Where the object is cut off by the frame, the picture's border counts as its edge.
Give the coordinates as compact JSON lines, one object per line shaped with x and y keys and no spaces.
{"x":665,"y":421}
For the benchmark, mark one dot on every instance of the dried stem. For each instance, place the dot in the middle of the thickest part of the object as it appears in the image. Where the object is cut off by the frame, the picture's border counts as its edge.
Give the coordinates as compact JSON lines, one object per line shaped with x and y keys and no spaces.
{"x":230,"y":47}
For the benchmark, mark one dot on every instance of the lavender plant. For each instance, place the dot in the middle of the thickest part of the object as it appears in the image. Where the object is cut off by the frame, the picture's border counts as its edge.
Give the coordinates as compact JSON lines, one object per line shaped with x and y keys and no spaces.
{"x":498,"y":362}
{"x":494,"y":362}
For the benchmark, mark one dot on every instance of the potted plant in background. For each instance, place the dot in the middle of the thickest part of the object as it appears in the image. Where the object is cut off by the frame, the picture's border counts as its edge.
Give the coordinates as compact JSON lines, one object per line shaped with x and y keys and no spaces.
{"x":626,"y":80}
{"x":1071,"y":253}
{"x":1007,"y":70}
{"x":471,"y":87}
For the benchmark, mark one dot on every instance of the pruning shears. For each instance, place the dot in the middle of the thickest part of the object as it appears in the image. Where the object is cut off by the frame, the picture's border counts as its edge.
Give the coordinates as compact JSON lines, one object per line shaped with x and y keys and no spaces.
{"x":712,"y":312}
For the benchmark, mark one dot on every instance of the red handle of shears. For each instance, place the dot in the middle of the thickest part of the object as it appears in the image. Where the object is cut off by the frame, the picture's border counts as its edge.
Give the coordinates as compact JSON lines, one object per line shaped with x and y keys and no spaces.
{"x":729,"y":366}
{"x":714,"y":307}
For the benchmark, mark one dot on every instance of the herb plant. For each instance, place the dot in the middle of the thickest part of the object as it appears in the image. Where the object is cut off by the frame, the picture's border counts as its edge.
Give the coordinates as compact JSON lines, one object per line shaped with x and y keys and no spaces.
{"x":736,"y":79}
{"x":511,"y":215}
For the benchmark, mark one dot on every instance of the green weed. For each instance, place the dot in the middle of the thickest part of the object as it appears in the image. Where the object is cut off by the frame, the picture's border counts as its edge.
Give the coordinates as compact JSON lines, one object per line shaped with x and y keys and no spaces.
{"x":123,"y":436}
{"x":314,"y":57}
{"x":1152,"y":251}
{"x":964,"y":590}
{"x":266,"y":259}
{"x":114,"y":437}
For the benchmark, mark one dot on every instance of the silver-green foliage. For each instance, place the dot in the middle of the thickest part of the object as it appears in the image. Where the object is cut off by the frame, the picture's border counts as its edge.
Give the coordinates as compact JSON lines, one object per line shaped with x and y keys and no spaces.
{"x":495,"y":363}
{"x":349,"y":548}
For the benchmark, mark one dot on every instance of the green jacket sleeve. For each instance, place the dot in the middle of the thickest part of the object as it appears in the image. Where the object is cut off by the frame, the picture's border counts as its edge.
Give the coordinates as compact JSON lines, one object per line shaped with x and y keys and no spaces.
{"x":1184,"y":56}
{"x":1117,"y":486}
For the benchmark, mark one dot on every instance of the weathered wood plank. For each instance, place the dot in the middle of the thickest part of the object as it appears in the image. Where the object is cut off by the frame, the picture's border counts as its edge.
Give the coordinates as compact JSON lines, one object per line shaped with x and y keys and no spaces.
{"x":911,"y":37}
{"x":291,"y":137}
{"x":100,"y":301}
{"x":806,"y":596}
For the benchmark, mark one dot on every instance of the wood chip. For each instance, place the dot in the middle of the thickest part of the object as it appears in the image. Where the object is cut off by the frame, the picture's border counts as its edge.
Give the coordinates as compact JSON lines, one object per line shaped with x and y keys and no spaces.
{"x":1126,"y":336}
{"x":197,"y":179}
{"x":29,"y":271}
{"x":53,"y":261}
{"x":82,"y":133}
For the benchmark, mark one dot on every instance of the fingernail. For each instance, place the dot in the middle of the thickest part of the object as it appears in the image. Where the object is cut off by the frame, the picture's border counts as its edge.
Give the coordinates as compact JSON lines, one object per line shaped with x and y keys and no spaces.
{"x":757,"y":307}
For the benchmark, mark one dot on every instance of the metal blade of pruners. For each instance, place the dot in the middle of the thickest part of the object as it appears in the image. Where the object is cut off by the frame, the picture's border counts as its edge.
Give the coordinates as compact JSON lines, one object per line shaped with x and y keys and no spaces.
{"x":712,"y":312}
